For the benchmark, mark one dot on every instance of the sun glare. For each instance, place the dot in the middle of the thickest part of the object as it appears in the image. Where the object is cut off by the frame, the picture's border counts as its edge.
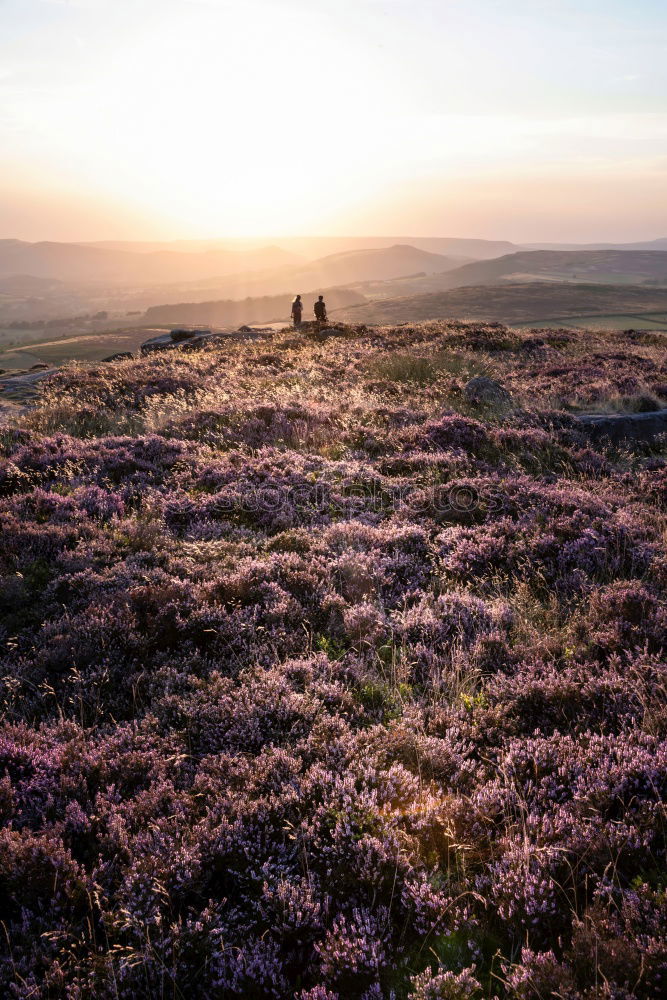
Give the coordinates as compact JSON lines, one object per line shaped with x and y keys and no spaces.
{"x":211,"y":117}
{"x":232,"y":123}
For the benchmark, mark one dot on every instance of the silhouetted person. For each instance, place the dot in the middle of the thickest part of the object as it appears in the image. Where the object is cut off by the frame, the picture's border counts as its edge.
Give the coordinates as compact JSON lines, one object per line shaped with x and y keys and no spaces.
{"x":320,"y":310}
{"x":297,"y":311}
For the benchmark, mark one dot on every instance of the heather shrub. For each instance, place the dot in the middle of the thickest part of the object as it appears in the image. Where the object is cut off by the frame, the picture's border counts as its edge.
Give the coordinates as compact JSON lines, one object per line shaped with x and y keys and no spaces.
{"x":258,"y":425}
{"x":445,"y":985}
{"x":315,"y":687}
{"x":626,"y":616}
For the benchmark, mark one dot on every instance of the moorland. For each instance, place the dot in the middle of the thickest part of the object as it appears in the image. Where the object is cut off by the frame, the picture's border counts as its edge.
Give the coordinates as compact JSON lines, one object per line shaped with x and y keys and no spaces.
{"x":326,"y":676}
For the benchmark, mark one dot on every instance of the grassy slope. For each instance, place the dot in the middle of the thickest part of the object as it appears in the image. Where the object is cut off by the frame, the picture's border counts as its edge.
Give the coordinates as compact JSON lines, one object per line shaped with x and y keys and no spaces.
{"x":512,"y":303}
{"x":600,"y":265}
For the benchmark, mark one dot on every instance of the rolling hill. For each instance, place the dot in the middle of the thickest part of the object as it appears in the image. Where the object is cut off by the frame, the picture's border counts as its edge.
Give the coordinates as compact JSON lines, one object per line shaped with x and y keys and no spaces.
{"x":78,"y":263}
{"x":321,"y":246}
{"x":40,"y":281}
{"x":659,"y":244}
{"x":349,"y":268}
{"x":602,"y":266}
{"x":512,"y":303}
{"x":372,"y":265}
{"x":315,"y":247}
{"x":354,"y":268}
{"x":336,"y":270}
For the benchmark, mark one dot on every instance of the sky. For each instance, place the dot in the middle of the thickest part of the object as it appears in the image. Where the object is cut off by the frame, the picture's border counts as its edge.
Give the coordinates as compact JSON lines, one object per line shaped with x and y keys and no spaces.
{"x":528,"y":120}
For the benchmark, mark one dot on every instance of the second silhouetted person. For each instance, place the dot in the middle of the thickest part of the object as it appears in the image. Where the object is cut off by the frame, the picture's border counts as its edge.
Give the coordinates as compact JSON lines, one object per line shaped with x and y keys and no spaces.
{"x":320,"y":310}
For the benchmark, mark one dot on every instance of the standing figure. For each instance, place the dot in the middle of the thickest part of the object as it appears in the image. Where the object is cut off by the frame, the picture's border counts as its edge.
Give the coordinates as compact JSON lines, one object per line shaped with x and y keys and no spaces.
{"x":320,"y":310}
{"x":297,"y":310}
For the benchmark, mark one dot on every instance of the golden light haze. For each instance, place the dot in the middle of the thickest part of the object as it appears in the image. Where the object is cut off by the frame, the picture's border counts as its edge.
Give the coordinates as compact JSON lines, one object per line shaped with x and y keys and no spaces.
{"x":201,"y":118}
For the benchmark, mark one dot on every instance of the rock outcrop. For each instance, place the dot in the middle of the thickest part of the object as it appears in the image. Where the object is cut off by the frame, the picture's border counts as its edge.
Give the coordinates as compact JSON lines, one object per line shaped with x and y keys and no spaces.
{"x":19,"y":390}
{"x":186,"y":339}
{"x":618,"y":427}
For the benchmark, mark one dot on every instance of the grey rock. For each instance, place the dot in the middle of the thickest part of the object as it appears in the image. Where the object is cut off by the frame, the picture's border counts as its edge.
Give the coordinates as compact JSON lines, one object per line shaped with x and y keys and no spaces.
{"x":120,"y":356}
{"x":483,"y":391}
{"x":162,"y":342}
{"x":619,"y":427}
{"x":196,"y":340}
{"x":181,"y":333}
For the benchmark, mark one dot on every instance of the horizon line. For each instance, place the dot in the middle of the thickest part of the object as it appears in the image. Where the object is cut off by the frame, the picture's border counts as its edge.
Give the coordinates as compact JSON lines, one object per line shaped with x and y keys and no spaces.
{"x":318,"y":236}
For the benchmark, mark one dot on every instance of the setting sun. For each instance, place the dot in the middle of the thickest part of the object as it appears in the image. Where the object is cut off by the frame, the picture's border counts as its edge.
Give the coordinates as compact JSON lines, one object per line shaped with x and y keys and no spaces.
{"x":208,"y":117}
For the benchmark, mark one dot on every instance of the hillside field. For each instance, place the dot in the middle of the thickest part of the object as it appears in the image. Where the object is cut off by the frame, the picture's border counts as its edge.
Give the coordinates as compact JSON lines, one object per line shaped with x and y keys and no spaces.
{"x":642,"y":321}
{"x":514,"y":302}
{"x":324,"y":679}
{"x":18,"y":350}
{"x":601,"y":266}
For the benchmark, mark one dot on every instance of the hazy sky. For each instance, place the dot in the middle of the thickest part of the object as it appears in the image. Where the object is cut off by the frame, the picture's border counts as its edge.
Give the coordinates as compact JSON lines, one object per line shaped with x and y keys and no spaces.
{"x":522,"y":119}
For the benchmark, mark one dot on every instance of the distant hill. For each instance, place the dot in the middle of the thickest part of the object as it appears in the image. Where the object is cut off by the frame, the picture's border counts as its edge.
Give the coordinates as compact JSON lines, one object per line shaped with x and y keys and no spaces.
{"x":252,"y":310}
{"x":659,"y":244}
{"x":321,"y":246}
{"x":154,"y":276}
{"x":512,"y":303}
{"x":600,"y":265}
{"x":177,"y":246}
{"x":119,"y":281}
{"x":372,"y":265}
{"x":74,"y":262}
{"x":315,"y":247}
{"x":351,"y":268}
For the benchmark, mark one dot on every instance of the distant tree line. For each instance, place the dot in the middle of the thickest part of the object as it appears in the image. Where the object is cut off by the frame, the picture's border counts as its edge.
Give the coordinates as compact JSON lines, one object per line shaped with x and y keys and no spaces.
{"x":53,"y":324}
{"x":233,"y":312}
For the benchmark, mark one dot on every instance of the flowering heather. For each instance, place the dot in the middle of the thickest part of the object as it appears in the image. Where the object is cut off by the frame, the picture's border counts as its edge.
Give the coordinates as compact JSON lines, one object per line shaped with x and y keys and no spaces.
{"x":322,"y":683}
